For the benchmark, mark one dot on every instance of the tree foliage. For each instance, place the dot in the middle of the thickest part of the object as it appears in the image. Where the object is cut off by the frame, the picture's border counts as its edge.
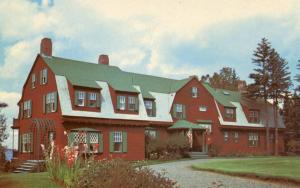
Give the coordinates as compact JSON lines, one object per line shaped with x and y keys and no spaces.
{"x":3,"y":125}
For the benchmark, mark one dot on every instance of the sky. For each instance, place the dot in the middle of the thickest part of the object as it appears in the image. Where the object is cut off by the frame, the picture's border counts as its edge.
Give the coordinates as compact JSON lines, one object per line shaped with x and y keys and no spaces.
{"x":170,"y":38}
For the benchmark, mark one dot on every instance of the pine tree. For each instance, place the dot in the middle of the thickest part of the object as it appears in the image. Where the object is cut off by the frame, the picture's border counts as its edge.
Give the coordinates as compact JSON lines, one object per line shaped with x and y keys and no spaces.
{"x":261,"y":77}
{"x":280,"y":82}
{"x":298,"y":76}
{"x":3,"y":125}
{"x":225,"y":79}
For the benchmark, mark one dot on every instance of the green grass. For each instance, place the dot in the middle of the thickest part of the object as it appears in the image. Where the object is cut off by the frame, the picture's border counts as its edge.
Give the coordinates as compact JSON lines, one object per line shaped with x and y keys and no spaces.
{"x":29,"y":180}
{"x":265,"y":167}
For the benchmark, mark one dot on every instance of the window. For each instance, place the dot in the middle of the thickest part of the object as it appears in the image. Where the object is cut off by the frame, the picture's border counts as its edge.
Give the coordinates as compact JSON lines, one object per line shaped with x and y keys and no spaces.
{"x":27,"y":109}
{"x":86,"y":141}
{"x":236,"y":137}
{"x":203,"y":108}
{"x":117,"y":141}
{"x":226,"y":136}
{"x":194,"y":92}
{"x":254,"y":116}
{"x":51,"y":102}
{"x":92,"y":99}
{"x":121,"y":102}
{"x":152,"y":133}
{"x":26,"y":142}
{"x":229,"y":113}
{"x":253,"y":139}
{"x":79,"y":98}
{"x":132,"y":103}
{"x":43,"y":76}
{"x":150,"y":107}
{"x":33,"y":81}
{"x":179,"y":111}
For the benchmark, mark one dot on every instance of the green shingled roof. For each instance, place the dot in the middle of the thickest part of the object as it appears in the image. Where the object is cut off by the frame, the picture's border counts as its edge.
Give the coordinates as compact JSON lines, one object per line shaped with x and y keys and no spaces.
{"x":86,"y":74}
{"x":183,"y":124}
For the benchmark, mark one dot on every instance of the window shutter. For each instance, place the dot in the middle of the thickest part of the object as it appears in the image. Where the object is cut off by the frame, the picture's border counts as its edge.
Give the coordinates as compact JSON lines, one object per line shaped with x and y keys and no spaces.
{"x":118,"y":102}
{"x":41,"y":77}
{"x":153,"y":108}
{"x":76,"y":98}
{"x":98,"y":102}
{"x":70,"y":138}
{"x":20,"y":143}
{"x":111,"y":142}
{"x":88,"y":141}
{"x":21,"y":110}
{"x":136,"y":104}
{"x":44,"y":104}
{"x":157,"y":134}
{"x":124,"y":142}
{"x":55,"y":101}
{"x":46,"y":76}
{"x":30,"y":109}
{"x":174,"y":110}
{"x":183,"y":112}
{"x":100,"y":143}
{"x":31,"y":141}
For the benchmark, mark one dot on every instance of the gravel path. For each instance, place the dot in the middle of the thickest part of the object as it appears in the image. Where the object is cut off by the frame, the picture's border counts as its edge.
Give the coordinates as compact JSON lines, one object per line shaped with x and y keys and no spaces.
{"x":186,"y":177}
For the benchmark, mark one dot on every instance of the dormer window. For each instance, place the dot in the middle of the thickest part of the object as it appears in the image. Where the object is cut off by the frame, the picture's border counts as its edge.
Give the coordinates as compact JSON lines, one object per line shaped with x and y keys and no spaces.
{"x":254,"y":116}
{"x":121,"y":102}
{"x":194,"y":92}
{"x":79,"y":98}
{"x":33,"y":81}
{"x":92,"y":99}
{"x":43,"y":76}
{"x":132,"y":103}
{"x":179,"y":111}
{"x":150,"y":107}
{"x":229,"y":113}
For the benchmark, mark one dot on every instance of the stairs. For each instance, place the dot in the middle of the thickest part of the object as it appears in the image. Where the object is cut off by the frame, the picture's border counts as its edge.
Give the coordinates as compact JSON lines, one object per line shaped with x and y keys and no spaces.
{"x":28,"y":166}
{"x":198,"y":155}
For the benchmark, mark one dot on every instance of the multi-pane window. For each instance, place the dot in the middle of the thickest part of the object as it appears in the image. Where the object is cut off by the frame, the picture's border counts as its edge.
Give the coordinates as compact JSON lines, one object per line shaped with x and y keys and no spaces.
{"x":43,"y":76}
{"x":121,"y":102}
{"x":152,"y":133}
{"x":253,"y":116}
{"x":179,"y":111}
{"x":27,"y":109}
{"x":80,"y":98}
{"x":118,"y":141}
{"x":86,"y":141}
{"x":226,"y":136}
{"x":132,"y":103}
{"x":236,"y":137}
{"x":253,"y":139}
{"x":26,"y":142}
{"x":33,"y":81}
{"x":203,"y":108}
{"x":92,"y":99}
{"x":51,"y":102}
{"x":194,"y":92}
{"x":229,"y":113}
{"x":149,"y":105}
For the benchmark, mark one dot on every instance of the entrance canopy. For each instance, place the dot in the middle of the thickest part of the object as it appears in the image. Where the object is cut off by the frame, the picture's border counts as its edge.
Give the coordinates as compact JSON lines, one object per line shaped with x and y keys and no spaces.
{"x":183,"y":124}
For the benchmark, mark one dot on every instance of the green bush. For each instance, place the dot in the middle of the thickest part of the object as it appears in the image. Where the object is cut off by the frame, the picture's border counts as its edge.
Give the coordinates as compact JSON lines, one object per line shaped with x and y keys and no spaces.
{"x":119,"y":173}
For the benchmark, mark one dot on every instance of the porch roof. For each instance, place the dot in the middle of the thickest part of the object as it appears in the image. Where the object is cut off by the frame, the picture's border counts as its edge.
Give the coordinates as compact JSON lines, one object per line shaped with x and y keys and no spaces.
{"x":183,"y":124}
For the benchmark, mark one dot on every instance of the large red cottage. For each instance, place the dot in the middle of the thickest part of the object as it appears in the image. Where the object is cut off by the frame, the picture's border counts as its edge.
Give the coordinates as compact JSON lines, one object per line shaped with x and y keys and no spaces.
{"x":116,"y":109}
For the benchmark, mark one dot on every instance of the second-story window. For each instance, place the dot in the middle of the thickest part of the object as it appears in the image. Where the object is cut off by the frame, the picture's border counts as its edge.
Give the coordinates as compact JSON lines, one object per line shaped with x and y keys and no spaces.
{"x":203,"y":108}
{"x":121,"y":102}
{"x":43,"y":76}
{"x":33,"y":81}
{"x":253,"y":116}
{"x":27,"y":109}
{"x":194,"y":92}
{"x":150,"y":107}
{"x":133,"y":103}
{"x":92,"y":99}
{"x":229,"y":113}
{"x":51,"y":102}
{"x":179,"y":111}
{"x":80,"y":98}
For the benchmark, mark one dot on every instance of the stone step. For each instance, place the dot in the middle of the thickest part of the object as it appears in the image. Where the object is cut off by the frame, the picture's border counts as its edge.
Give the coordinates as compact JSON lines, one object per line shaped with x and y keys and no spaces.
{"x":24,"y":169}
{"x":198,"y":155}
{"x":27,"y":166}
{"x":19,"y":171}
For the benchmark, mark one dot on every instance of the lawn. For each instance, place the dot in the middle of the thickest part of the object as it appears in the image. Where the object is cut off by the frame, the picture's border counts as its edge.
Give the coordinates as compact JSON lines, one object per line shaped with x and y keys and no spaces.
{"x":29,"y":180}
{"x":266,"y":167}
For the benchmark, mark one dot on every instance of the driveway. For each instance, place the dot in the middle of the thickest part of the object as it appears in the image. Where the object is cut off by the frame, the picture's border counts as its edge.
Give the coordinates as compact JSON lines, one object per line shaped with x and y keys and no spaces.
{"x":186,"y":177}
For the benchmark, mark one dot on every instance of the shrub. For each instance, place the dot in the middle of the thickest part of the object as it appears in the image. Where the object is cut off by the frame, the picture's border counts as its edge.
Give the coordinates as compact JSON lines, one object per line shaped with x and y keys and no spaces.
{"x":119,"y":173}
{"x":294,"y":146}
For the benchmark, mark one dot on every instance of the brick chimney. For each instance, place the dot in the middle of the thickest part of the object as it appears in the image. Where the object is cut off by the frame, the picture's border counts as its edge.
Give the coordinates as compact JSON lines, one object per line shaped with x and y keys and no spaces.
{"x":46,"y":47}
{"x":103,"y":59}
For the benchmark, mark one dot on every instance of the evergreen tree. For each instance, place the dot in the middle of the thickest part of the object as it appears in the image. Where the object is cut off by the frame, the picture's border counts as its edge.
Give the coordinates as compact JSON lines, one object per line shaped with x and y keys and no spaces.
{"x":298,"y":76}
{"x":261,"y":77}
{"x":3,"y":125}
{"x":225,"y":79}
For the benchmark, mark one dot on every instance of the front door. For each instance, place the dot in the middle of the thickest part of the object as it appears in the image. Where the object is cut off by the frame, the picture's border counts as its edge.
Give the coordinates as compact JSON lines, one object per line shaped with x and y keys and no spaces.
{"x":197,"y":140}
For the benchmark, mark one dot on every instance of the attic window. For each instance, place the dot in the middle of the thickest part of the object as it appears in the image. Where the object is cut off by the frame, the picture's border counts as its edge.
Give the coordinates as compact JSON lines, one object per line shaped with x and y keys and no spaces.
{"x":225,"y":93}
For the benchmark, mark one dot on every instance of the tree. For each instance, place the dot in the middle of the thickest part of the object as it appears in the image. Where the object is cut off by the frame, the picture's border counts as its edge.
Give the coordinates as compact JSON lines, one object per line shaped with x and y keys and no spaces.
{"x":298,"y":75}
{"x":261,"y":77}
{"x":280,"y":82}
{"x":3,"y":125}
{"x":225,"y":79}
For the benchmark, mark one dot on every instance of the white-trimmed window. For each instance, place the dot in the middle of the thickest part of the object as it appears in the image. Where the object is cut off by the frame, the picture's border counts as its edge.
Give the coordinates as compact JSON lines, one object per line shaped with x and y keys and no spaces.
{"x":226,"y":136}
{"x":44,"y":76}
{"x":51,"y":102}
{"x":194,"y":92}
{"x":118,"y":141}
{"x":152,"y":133}
{"x":254,"y":116}
{"x":92,"y":99}
{"x":121,"y":102}
{"x":80,"y":98}
{"x":229,"y":113}
{"x":132,"y":103}
{"x":253,"y":139}
{"x":179,"y":111}
{"x":149,"y":107}
{"x":27,"y":109}
{"x":86,"y":141}
{"x":26,"y":142}
{"x":236,"y":137}
{"x":33,"y":81}
{"x":203,"y":108}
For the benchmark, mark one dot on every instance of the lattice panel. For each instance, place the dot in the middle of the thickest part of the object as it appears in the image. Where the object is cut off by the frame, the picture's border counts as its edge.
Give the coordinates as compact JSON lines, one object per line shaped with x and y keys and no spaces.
{"x":94,"y":138}
{"x":80,"y":137}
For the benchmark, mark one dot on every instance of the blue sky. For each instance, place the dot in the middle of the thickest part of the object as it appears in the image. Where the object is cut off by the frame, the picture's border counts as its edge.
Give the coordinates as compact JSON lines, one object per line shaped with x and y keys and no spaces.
{"x":165,"y":38}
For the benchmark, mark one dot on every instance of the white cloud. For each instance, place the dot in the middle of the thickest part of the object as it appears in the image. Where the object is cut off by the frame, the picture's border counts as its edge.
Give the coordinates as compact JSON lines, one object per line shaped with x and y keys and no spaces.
{"x":127,"y":58}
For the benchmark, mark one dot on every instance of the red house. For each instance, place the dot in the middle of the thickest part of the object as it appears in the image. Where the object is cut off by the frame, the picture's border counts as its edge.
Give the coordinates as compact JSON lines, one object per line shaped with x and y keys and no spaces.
{"x":116,"y":109}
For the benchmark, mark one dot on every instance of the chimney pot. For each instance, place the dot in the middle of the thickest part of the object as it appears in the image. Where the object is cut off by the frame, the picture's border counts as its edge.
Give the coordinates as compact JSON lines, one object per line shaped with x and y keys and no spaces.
{"x":103,"y":59}
{"x":46,"y":47}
